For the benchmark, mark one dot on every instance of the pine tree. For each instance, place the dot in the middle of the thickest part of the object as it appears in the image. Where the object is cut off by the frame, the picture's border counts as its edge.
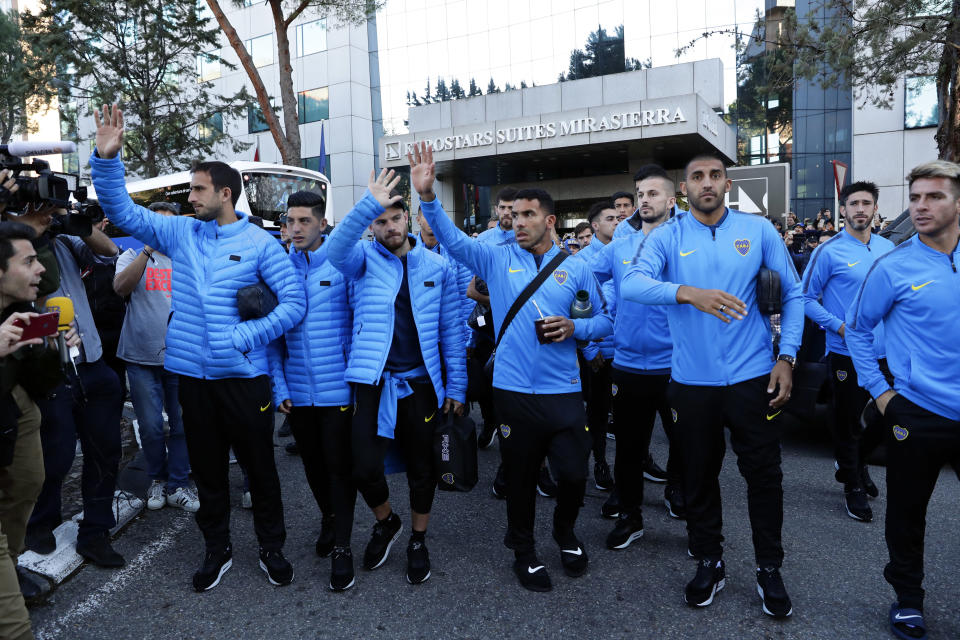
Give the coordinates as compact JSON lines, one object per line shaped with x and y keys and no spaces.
{"x":443,"y":94}
{"x":24,"y":83}
{"x":427,"y":98}
{"x":474,"y":89}
{"x":456,"y":91}
{"x":492,"y":87}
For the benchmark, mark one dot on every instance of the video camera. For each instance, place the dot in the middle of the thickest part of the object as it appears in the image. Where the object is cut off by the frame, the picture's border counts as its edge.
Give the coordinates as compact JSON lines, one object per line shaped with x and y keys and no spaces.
{"x":49,"y":187}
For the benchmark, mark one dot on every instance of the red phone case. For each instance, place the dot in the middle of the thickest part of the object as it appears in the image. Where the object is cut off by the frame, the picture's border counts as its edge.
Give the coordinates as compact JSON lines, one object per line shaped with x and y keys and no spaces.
{"x":40,"y":326}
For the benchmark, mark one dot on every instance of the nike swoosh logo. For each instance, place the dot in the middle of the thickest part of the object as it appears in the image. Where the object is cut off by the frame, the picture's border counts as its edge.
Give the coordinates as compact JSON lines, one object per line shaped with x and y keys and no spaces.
{"x":511,"y":270}
{"x":917,"y":287}
{"x":431,"y":416}
{"x":265,"y":407}
{"x":684,"y":255}
{"x":627,"y":261}
{"x":900,"y":618}
{"x":344,"y":408}
{"x":577,"y":552}
{"x":534,"y":569}
{"x":771,"y":417}
{"x":853,"y":264}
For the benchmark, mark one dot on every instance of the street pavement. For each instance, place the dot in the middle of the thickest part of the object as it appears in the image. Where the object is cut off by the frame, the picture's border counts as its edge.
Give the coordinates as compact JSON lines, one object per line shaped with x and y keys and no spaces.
{"x":832,"y":571}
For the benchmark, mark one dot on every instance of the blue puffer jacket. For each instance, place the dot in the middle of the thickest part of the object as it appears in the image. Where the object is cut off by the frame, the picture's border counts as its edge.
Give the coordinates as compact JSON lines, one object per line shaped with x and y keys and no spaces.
{"x":205,"y":336}
{"x":433,"y":295}
{"x":310,"y":372}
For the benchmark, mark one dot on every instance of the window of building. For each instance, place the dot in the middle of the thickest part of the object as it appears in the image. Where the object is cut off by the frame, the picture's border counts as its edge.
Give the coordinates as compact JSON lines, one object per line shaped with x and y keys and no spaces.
{"x":920,"y":104}
{"x":311,"y":37}
{"x":261,"y":50}
{"x":255,"y":120}
{"x":208,"y":66}
{"x":211,"y":127}
{"x":313,"y":105}
{"x":313,"y":163}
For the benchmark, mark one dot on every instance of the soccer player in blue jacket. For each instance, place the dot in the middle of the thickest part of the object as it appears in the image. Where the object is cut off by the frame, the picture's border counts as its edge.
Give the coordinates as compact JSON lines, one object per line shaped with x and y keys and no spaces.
{"x":407,"y":361}
{"x":536,"y":386}
{"x":503,"y":232}
{"x":915,"y":291}
{"x":224,"y":387}
{"x":705,"y":264}
{"x":830,"y":283}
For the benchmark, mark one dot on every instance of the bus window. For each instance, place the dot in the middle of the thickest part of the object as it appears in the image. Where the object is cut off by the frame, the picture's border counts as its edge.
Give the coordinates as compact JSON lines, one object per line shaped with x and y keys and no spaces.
{"x":178,"y":193}
{"x":267,"y":193}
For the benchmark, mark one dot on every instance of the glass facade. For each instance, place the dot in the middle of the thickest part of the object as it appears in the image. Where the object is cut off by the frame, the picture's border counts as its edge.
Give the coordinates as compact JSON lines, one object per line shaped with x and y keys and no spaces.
{"x":822,"y":126}
{"x":530,"y":42}
{"x":211,"y":128}
{"x":208,"y":66}
{"x":261,"y":50}
{"x":920,"y":103}
{"x":311,"y":37}
{"x":313,"y":105}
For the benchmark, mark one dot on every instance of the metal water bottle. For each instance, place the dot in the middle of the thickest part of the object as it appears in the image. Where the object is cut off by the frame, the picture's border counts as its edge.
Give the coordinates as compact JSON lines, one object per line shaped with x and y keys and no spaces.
{"x":581,"y":307}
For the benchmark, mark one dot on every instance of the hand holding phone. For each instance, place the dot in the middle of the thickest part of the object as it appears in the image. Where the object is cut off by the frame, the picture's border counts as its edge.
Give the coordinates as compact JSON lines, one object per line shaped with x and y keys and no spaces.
{"x":12,"y":333}
{"x":38,"y":325}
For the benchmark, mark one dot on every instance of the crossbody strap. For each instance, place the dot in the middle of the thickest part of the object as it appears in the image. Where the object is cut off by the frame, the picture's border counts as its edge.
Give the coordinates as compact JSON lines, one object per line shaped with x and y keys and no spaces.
{"x":529,"y":291}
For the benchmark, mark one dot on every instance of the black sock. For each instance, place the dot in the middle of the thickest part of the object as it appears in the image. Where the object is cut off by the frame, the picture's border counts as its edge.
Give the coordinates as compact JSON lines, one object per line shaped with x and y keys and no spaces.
{"x":418,"y":536}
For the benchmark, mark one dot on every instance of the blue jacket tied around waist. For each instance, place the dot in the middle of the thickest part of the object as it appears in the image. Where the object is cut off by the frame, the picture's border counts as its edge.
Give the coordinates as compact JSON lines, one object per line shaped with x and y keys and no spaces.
{"x":205,"y":336}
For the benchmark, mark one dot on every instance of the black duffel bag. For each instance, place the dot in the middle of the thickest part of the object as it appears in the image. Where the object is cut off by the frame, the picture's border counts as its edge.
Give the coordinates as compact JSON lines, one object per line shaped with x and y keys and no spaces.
{"x":769,"y":292}
{"x":455,"y":451}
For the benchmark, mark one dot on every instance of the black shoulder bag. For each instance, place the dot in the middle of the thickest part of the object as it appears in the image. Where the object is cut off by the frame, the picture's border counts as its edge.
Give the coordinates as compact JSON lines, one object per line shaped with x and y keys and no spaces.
{"x":520,"y":301}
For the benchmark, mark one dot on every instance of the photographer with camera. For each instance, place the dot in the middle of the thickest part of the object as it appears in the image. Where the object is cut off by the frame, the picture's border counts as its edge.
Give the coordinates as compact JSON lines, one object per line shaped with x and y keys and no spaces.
{"x":88,"y":405}
{"x":27,"y":370}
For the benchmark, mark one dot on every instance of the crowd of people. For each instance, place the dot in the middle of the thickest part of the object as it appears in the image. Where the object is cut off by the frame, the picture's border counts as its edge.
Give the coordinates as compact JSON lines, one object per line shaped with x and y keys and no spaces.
{"x":645,"y":310}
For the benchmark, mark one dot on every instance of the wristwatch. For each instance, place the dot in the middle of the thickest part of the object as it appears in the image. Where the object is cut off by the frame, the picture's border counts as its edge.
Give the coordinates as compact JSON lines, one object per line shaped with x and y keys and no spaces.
{"x":788,"y":359}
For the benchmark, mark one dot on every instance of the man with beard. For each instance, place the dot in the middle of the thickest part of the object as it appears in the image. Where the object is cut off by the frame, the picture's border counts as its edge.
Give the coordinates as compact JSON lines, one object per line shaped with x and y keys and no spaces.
{"x":831,"y":280}
{"x":503,"y":232}
{"x":705,"y":264}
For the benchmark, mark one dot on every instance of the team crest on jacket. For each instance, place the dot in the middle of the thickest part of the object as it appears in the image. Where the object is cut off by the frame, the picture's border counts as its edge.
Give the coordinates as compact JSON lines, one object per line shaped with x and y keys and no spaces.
{"x":673,"y":412}
{"x":742,"y":246}
{"x":613,"y":389}
{"x":841,"y":375}
{"x":900,"y":433}
{"x":560,"y":276}
{"x":447,"y":477}
{"x":505,"y":430}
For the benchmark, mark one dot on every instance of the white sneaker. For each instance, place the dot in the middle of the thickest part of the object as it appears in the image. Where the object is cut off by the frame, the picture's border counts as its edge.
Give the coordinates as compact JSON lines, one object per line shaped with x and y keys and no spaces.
{"x":157,"y":495}
{"x":247,"y":500}
{"x":185,"y":498}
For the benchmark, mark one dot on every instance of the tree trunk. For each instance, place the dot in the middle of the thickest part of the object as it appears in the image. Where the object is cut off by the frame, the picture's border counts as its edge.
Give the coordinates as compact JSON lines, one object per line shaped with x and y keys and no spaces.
{"x":948,"y":95}
{"x":291,"y":150}
{"x":263,"y":97}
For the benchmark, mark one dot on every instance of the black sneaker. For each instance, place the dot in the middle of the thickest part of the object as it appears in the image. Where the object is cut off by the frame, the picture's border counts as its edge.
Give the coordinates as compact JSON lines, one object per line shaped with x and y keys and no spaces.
{"x":418,"y":562}
{"x":384,"y":534}
{"x":867,"y":482}
{"x":673,"y":500}
{"x":627,"y":529}
{"x":327,"y":538}
{"x":601,"y":476}
{"x":41,"y":540}
{"x":610,"y":509}
{"x":487,"y":435}
{"x":284,"y":430}
{"x":341,"y":569}
{"x":573,"y":556}
{"x":710,"y":579}
{"x":278,"y":570}
{"x":215,"y":564}
{"x":532,"y":574}
{"x":652,"y":472}
{"x":545,"y":484}
{"x":856,"y":504}
{"x":499,"y":487}
{"x":98,"y":551}
{"x":776,"y":602}
{"x":31,"y":587}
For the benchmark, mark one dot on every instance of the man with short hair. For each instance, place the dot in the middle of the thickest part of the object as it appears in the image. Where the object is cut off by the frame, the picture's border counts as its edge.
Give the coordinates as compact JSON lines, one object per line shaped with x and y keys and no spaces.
{"x":835,"y":271}
{"x":503,"y":232}
{"x":536,"y":381}
{"x":623,"y":203}
{"x":308,"y":383}
{"x":724,"y":375}
{"x":224,"y":390}
{"x":635,"y":223}
{"x":144,"y":277}
{"x":583,"y":232}
{"x":912,"y":290}
{"x":407,"y":362}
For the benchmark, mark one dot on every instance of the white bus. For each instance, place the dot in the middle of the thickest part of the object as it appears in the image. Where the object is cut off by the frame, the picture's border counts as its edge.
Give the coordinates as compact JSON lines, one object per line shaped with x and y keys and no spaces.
{"x":266,"y":188}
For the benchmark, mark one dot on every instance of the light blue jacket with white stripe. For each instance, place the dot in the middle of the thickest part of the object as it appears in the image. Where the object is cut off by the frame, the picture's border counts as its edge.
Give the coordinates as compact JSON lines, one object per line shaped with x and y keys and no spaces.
{"x":433,"y":296}
{"x":211,"y":262}
{"x":308,"y":364}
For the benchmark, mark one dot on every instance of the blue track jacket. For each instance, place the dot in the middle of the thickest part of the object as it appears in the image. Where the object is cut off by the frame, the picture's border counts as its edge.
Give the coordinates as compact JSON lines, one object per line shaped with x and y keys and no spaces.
{"x":205,"y":336}
{"x":634,"y":224}
{"x":495,"y":235}
{"x":641,"y":332}
{"x":308,"y":363}
{"x":727,"y":256}
{"x":523,"y":364}
{"x":915,"y":291}
{"x":831,"y":281}
{"x":433,"y":295}
{"x":605,"y":346}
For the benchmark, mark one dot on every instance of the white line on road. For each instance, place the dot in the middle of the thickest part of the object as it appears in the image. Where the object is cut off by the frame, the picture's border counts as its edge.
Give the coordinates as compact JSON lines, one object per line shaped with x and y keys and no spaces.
{"x":116,"y":582}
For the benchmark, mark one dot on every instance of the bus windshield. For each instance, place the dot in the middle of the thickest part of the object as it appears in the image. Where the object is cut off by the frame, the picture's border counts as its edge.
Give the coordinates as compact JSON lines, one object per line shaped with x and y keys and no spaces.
{"x":267,"y":192}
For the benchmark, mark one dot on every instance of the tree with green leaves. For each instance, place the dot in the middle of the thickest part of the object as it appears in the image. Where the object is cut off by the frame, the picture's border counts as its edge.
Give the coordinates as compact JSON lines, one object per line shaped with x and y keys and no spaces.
{"x":474,"y":89}
{"x":25,"y":86}
{"x":284,"y":13}
{"x":143,"y":55}
{"x":603,"y":54}
{"x":492,"y":87}
{"x":442,"y":94}
{"x":456,"y":91}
